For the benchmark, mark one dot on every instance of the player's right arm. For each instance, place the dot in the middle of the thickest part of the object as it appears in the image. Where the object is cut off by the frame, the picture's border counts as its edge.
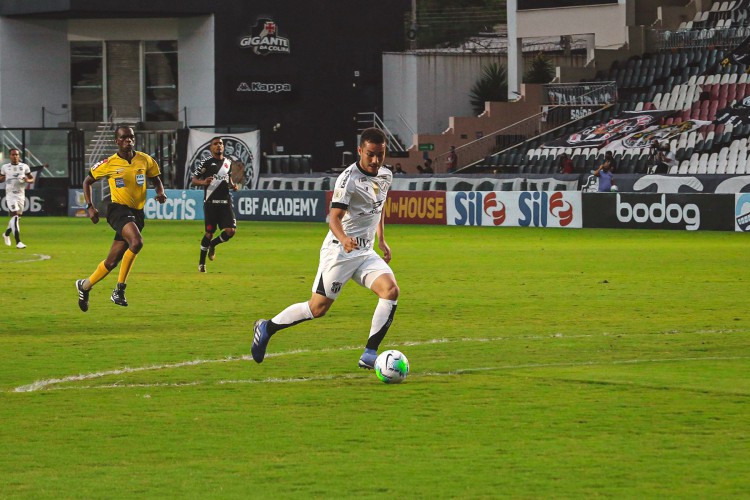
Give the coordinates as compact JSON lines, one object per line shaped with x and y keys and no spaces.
{"x":198,"y":178}
{"x":91,"y":210}
{"x":337,"y":228}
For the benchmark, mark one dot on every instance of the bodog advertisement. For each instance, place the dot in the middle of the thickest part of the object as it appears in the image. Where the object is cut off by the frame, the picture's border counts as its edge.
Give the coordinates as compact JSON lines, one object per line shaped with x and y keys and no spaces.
{"x":659,"y":211}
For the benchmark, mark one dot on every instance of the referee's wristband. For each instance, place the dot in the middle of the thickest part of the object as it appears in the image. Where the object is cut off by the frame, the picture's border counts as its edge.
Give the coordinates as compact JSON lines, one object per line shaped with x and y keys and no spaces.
{"x":89,"y":205}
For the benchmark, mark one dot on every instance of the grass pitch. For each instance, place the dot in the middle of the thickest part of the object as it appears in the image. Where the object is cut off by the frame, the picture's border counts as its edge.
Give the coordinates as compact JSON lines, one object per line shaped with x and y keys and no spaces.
{"x":545,"y":363}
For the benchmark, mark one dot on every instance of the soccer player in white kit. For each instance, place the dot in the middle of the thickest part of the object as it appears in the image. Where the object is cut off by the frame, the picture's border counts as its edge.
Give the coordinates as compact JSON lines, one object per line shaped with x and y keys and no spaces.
{"x":15,"y":175}
{"x":347,"y":253}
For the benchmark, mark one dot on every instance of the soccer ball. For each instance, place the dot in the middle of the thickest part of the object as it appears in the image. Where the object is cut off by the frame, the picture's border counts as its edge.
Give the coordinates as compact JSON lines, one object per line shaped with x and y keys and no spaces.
{"x":392,"y":367}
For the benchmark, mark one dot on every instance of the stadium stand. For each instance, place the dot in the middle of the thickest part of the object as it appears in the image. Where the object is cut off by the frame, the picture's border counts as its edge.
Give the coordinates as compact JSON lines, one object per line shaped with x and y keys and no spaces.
{"x":695,"y":79}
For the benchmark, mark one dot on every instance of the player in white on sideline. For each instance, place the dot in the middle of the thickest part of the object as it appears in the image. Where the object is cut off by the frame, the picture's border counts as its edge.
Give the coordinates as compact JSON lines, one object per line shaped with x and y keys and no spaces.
{"x":347,"y":252}
{"x":15,"y":175}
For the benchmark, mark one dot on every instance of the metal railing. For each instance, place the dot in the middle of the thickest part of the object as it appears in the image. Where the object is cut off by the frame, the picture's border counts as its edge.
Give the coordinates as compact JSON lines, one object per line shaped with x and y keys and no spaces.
{"x":371,"y":119}
{"x":590,"y":94}
{"x":695,"y":38}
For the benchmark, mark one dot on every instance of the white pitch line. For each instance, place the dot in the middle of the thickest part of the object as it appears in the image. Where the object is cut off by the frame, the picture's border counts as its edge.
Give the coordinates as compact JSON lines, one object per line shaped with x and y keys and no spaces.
{"x":44,"y":384}
{"x":351,"y":376}
{"x":39,"y":257}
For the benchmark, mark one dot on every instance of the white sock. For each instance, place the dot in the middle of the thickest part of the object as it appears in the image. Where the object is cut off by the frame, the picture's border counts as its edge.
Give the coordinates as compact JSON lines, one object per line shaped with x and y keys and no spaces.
{"x":293,"y":315}
{"x":381,"y":319}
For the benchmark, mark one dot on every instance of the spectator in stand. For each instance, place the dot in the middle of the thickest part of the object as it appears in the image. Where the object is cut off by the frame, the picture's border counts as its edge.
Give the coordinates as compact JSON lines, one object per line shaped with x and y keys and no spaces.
{"x":604,"y":173}
{"x":610,"y":159}
{"x":427,"y":167}
{"x":663,"y":158}
{"x":566,"y":164}
{"x":451,"y":160}
{"x":398,"y":170}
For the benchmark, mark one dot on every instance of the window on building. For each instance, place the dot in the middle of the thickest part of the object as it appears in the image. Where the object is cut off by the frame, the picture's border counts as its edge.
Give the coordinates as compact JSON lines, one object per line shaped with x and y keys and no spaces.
{"x":160,"y":64}
{"x":86,"y":81}
{"x":95,"y":93}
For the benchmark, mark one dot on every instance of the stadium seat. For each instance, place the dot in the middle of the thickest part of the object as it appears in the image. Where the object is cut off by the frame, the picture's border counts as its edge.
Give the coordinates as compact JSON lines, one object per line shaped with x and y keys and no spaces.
{"x":711,"y":165}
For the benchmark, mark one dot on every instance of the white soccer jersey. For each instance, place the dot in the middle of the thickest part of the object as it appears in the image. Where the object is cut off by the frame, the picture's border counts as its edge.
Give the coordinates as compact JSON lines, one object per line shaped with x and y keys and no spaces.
{"x":363,"y":195}
{"x":14,"y":185}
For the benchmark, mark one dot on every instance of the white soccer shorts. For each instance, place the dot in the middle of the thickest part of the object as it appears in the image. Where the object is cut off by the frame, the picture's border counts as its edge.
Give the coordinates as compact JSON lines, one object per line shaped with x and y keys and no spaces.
{"x":337,"y":267}
{"x":15,"y":203}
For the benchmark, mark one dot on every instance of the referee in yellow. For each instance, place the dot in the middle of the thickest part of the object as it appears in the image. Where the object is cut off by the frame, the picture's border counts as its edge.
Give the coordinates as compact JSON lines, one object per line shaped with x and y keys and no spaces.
{"x":126,"y":172}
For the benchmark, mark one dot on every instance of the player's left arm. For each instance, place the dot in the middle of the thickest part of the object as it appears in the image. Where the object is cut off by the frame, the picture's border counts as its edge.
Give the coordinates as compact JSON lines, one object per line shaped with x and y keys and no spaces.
{"x":161,"y":196}
{"x":380,"y":231}
{"x":152,"y":171}
{"x":28,"y":178}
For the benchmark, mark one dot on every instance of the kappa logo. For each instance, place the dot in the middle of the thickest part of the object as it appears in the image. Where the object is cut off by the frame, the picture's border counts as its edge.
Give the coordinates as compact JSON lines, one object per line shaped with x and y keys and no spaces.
{"x":264,"y":39}
{"x":267,"y":88}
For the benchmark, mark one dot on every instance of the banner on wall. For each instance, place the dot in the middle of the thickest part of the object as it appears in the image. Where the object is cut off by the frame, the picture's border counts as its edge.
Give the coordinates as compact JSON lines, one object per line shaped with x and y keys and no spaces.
{"x":181,"y":204}
{"x":242,"y":149}
{"x":601,"y":134}
{"x":689,"y":212}
{"x":742,"y":212}
{"x":525,"y":209}
{"x":40,"y":202}
{"x":298,"y":206}
{"x":659,"y":133}
{"x":415,"y":207}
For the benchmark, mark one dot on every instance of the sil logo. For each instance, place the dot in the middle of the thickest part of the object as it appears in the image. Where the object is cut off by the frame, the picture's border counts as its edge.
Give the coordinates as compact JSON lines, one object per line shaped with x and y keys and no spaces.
{"x":534,"y":208}
{"x":494,"y":208}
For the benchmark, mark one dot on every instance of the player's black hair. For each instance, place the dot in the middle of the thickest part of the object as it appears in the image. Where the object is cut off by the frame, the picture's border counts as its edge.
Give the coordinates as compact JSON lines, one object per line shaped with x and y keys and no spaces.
{"x":372,"y":135}
{"x":14,"y":149}
{"x":121,"y":127}
{"x":214,"y":138}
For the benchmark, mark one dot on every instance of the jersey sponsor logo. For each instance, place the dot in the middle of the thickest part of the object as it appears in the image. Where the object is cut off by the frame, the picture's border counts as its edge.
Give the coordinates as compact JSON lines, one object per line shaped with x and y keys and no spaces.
{"x":119,"y":182}
{"x":98,"y":164}
{"x":264,"y":39}
{"x":344,"y":178}
{"x":140,"y":179}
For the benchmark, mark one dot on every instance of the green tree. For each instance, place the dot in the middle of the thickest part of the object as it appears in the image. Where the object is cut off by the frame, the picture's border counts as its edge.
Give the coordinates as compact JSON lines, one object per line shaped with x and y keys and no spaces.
{"x":540,"y":71}
{"x":491,"y":86}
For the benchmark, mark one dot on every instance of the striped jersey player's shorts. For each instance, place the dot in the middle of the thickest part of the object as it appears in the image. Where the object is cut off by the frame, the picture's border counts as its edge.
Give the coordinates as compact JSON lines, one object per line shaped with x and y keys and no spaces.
{"x":337,"y":267}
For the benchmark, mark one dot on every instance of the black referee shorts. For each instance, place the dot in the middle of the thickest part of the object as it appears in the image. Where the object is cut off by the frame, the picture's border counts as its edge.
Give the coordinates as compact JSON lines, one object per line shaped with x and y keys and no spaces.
{"x":120,"y":215}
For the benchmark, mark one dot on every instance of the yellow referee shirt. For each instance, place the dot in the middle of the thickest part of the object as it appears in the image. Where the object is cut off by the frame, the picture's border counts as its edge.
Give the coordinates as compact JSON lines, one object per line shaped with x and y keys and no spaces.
{"x":127,"y":181}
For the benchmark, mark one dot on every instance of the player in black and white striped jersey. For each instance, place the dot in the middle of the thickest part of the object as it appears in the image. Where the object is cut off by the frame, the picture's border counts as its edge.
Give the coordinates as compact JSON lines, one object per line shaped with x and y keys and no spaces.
{"x":213,"y":175}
